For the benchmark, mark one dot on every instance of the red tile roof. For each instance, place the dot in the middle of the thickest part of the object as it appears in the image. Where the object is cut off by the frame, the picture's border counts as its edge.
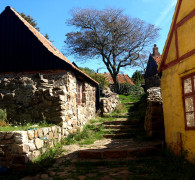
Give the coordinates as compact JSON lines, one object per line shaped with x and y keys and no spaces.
{"x":157,"y":59}
{"x":122,"y":78}
{"x":48,"y":44}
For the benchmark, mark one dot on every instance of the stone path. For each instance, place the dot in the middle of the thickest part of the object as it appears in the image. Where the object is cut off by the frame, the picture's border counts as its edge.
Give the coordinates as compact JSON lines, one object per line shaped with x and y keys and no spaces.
{"x":107,"y":159}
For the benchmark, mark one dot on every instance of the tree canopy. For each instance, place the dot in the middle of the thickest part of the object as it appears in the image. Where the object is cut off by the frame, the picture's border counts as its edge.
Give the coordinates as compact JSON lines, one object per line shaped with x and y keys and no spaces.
{"x":116,"y":38}
{"x":98,"y":77}
{"x":138,"y":78}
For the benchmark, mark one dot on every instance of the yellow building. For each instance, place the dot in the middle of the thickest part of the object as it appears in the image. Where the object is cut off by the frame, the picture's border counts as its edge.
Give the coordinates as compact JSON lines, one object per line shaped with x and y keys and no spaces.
{"x":178,"y":80}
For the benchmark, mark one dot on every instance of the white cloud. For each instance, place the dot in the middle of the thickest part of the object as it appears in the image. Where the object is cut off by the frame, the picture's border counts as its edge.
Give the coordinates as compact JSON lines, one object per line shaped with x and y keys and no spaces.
{"x":165,"y":14}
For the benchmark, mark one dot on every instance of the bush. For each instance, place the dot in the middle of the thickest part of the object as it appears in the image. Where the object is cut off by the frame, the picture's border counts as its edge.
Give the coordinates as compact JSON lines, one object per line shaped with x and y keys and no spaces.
{"x":3,"y":117}
{"x":130,"y":89}
{"x":98,"y":77}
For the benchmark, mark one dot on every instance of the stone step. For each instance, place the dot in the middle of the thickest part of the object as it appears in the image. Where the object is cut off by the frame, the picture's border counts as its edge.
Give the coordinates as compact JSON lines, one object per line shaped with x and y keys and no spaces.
{"x":120,"y":126}
{"x":117,"y":136}
{"x":118,"y":153}
{"x":116,"y":131}
{"x":121,"y":122}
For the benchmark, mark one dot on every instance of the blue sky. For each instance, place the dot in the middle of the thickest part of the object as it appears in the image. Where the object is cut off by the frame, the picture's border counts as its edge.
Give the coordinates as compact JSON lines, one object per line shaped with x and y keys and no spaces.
{"x":51,"y":16}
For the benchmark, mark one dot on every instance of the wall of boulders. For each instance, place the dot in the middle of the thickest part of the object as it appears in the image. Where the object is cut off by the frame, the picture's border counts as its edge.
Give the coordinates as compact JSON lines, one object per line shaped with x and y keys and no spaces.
{"x":109,"y":102}
{"x":49,"y":97}
{"x":17,"y":148}
{"x":154,"y":119}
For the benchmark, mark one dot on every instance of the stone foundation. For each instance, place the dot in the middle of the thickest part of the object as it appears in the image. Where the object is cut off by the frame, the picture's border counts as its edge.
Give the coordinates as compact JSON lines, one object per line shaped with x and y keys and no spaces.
{"x":109,"y":102}
{"x":154,"y":119}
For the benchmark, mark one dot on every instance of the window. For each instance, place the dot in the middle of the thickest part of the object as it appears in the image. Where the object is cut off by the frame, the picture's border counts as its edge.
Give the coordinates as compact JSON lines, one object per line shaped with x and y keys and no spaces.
{"x":79,"y":92}
{"x":189,"y":101}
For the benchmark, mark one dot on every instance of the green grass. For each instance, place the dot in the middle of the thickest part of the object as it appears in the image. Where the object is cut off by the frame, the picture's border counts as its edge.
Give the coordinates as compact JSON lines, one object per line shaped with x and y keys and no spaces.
{"x":89,"y":135}
{"x":25,"y":127}
{"x":129,"y":98}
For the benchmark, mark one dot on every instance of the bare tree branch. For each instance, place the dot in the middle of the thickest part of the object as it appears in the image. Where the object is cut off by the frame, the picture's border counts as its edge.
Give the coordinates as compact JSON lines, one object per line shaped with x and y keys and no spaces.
{"x":116,"y":38}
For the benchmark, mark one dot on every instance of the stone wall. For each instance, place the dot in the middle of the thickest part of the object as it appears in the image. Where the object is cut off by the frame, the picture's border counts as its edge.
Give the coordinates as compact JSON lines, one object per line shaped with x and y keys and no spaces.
{"x":36,"y":97}
{"x":154,"y":119}
{"x":50,"y":97}
{"x":18,"y":147}
{"x":109,"y":102}
{"x":153,"y":81}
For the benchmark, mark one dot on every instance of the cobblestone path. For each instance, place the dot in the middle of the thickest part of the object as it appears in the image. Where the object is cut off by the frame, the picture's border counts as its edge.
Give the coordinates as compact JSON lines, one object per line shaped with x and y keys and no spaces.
{"x":116,"y":156}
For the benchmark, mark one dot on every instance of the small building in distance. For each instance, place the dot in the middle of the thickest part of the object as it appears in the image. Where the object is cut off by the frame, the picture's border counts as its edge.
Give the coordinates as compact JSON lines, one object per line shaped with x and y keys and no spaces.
{"x":178,"y":81}
{"x":122,"y":79}
{"x":151,"y":76}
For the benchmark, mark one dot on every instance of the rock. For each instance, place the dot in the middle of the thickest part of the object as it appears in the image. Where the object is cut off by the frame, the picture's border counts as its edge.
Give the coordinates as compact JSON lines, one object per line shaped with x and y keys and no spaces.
{"x":31,"y":134}
{"x":32,"y":146}
{"x":21,"y":149}
{"x":40,"y":133}
{"x":20,"y":137}
{"x":9,"y":135}
{"x":45,"y":131}
{"x":39,"y":143}
{"x":36,"y":154}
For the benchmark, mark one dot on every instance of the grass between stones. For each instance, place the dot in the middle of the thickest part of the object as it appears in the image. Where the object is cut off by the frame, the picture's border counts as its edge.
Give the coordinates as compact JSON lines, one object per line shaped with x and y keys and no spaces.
{"x":26,"y":126}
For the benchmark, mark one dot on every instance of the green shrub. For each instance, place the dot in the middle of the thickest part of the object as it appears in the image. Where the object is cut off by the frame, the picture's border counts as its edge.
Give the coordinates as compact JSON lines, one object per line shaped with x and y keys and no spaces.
{"x":3,"y":118}
{"x":98,"y":77}
{"x":130,"y":89}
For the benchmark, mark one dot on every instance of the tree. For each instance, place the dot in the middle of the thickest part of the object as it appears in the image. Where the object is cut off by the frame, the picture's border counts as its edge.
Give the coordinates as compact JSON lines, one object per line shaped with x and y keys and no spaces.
{"x":116,"y":38}
{"x":142,"y":61}
{"x":30,"y":20}
{"x":98,"y":77}
{"x":33,"y":23}
{"x":138,"y":78}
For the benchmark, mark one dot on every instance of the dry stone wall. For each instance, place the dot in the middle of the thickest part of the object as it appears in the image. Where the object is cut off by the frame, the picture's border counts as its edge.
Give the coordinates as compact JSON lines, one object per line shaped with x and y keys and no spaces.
{"x":109,"y":102}
{"x":47,"y":97}
{"x":17,"y":148}
{"x":154,"y":119}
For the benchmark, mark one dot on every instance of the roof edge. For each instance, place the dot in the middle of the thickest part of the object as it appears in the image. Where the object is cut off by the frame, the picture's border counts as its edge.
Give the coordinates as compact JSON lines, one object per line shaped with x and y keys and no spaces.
{"x":170,"y":35}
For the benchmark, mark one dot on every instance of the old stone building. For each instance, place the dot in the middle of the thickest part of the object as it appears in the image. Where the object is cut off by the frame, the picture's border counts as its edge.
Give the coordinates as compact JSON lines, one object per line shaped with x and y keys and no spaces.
{"x":37,"y":82}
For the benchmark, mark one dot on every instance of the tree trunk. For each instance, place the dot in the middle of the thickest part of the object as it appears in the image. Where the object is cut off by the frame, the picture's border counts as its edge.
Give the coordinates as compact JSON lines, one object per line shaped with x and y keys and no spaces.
{"x":116,"y":84}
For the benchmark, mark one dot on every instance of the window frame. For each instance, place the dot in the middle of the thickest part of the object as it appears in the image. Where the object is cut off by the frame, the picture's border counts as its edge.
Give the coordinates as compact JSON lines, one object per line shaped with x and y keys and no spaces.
{"x":186,"y":95}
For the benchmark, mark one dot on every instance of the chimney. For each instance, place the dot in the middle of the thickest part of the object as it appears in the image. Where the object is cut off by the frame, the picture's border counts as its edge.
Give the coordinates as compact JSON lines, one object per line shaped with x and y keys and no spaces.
{"x":155,"y":51}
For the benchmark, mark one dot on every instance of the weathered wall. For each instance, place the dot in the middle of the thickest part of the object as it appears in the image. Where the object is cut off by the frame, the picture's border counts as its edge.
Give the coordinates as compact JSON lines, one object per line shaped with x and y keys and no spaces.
{"x":18,"y":147}
{"x":154,"y":119}
{"x":171,"y":86}
{"x":32,"y":98}
{"x":51,"y":97}
{"x":153,"y":81}
{"x":109,"y":102}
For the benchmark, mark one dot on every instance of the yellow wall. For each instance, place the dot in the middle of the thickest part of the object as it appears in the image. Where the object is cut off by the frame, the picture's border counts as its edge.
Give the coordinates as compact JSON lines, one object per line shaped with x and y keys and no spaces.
{"x":171,"y":87}
{"x":171,"y":84}
{"x":171,"y":56}
{"x":187,"y":6}
{"x":186,"y":37}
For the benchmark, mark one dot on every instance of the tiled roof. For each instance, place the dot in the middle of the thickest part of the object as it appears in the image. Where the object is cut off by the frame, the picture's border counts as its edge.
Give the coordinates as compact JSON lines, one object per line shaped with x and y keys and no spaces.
{"x":122,"y":78}
{"x":157,"y":59}
{"x":48,"y":44}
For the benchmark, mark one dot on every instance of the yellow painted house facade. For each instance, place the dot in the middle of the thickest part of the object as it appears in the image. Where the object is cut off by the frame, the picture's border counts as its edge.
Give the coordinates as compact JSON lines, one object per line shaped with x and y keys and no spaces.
{"x":178,"y":80}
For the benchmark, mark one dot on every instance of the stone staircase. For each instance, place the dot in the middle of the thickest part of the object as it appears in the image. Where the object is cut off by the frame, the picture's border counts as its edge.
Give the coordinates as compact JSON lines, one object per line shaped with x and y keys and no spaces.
{"x":122,"y":146}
